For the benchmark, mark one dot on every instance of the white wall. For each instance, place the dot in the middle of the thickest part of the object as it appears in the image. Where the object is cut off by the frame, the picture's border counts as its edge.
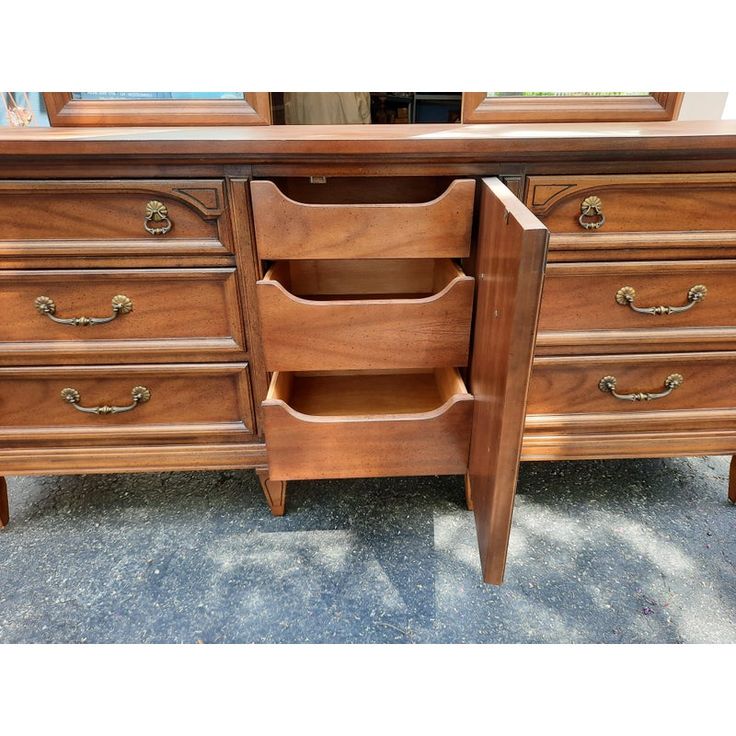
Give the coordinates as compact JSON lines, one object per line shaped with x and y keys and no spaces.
{"x":706,"y":105}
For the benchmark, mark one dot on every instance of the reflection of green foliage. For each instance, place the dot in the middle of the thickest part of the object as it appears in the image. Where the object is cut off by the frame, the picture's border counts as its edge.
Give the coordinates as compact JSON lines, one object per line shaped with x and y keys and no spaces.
{"x":567,"y":94}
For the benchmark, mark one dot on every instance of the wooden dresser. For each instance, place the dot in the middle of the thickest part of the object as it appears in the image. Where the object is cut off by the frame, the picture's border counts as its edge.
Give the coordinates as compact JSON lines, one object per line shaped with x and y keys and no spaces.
{"x":327,"y":302}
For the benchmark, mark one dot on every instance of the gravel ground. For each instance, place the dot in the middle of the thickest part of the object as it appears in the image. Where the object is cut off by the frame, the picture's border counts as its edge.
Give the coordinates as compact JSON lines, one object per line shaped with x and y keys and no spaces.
{"x":615,"y":551}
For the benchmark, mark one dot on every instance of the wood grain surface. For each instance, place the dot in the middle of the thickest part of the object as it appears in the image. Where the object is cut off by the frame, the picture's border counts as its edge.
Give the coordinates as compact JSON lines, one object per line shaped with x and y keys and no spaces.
{"x":178,"y":315}
{"x":367,"y":425}
{"x":637,"y":203}
{"x":286,"y":229}
{"x":333,"y":315}
{"x":511,"y":253}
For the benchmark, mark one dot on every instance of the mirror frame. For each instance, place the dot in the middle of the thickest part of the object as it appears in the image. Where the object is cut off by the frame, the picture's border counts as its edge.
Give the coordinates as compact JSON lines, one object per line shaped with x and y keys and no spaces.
{"x":479,"y":108}
{"x":63,"y":110}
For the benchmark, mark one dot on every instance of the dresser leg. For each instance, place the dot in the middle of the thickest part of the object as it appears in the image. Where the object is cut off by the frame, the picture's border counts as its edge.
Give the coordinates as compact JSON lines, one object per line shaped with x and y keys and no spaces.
{"x":274,"y":490}
{"x":4,"y":507}
{"x":732,"y":481}
{"x":468,"y":496}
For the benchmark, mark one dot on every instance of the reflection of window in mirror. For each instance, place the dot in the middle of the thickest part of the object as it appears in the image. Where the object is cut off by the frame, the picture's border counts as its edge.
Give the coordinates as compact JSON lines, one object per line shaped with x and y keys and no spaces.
{"x":157,"y":96}
{"x":381,"y":108}
{"x":567,"y":94}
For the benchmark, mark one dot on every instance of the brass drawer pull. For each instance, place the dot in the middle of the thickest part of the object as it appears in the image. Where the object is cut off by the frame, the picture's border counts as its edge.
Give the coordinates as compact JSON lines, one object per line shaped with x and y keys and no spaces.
{"x":157,"y":212}
{"x":120,"y":305}
{"x":592,"y":207}
{"x":626,"y":295}
{"x":607,"y":384}
{"x":140,"y":394}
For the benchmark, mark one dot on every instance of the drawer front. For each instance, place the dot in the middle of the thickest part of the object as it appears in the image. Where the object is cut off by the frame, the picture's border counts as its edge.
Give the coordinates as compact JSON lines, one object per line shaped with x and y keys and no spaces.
{"x":335,"y":436}
{"x":139,"y":217}
{"x":637,"y":203}
{"x":573,"y":385}
{"x":594,"y":306}
{"x":206,"y":403}
{"x":286,"y":229}
{"x":331,"y":331}
{"x":154,"y":314}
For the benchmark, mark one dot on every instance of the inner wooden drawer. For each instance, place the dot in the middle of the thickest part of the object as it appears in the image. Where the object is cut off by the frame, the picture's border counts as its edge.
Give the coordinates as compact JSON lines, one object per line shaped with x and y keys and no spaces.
{"x":290,"y":229}
{"x":334,"y":315}
{"x":366,"y":424}
{"x":128,"y":404}
{"x":128,"y":315}
{"x":649,"y":306}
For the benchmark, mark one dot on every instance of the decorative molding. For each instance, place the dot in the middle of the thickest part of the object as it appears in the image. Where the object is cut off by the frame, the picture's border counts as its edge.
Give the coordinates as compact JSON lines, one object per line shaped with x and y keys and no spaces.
{"x":131,"y":459}
{"x":207,"y":199}
{"x":479,"y":108}
{"x":543,"y":193}
{"x":64,"y":111}
{"x":554,"y":192}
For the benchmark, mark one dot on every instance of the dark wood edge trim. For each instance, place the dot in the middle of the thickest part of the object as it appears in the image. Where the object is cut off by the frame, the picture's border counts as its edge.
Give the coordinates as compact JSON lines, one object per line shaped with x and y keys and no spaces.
{"x":248,"y":272}
{"x":173,"y":350}
{"x":478,"y":108}
{"x":254,"y":109}
{"x":682,"y":420}
{"x":627,"y":445}
{"x":660,"y":339}
{"x":664,"y":358}
{"x":132,"y":459}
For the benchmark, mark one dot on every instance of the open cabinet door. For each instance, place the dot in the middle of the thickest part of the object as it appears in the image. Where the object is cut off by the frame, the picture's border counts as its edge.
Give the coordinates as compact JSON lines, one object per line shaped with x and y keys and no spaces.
{"x":511,"y":253}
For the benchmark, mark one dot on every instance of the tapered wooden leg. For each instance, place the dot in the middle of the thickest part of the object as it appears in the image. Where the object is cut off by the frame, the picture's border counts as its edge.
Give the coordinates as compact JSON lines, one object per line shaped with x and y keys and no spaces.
{"x":468,"y":496}
{"x":274,"y":490}
{"x":732,"y":481}
{"x":4,"y":507}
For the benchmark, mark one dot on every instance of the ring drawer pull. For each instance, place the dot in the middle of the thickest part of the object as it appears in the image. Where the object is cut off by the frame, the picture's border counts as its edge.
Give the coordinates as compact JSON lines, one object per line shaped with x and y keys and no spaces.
{"x":120,"y":305}
{"x":626,"y":295}
{"x":592,"y":207}
{"x":157,"y":212}
{"x":607,"y":384}
{"x":140,"y":394}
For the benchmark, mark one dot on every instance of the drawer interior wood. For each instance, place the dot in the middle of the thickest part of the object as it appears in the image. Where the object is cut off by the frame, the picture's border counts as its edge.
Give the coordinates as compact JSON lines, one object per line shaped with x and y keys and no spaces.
{"x":367,"y":424}
{"x":288,"y":229}
{"x":365,"y":314}
{"x":366,"y":394}
{"x":362,"y":190}
{"x":319,"y":280}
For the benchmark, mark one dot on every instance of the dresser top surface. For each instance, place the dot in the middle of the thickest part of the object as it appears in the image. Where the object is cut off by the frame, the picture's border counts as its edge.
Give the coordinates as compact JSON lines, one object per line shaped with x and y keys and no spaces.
{"x":497,"y":140}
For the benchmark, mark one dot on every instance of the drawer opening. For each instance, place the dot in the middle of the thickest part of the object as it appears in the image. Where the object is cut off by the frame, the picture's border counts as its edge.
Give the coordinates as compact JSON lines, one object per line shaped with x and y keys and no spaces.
{"x":360,"y":280}
{"x":363,"y":190}
{"x":376,"y":223}
{"x":363,"y":395}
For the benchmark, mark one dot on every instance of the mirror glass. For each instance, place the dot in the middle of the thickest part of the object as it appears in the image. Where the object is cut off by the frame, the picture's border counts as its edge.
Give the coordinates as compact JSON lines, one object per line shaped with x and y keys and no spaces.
{"x":157,"y":95}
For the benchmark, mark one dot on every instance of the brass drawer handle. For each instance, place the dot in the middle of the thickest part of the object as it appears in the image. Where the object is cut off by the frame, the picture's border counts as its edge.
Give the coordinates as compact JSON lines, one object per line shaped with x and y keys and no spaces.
{"x":607,"y":384}
{"x":157,"y":212}
{"x":120,"y":305}
{"x":140,"y":394}
{"x":626,"y":295}
{"x":592,"y":207}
